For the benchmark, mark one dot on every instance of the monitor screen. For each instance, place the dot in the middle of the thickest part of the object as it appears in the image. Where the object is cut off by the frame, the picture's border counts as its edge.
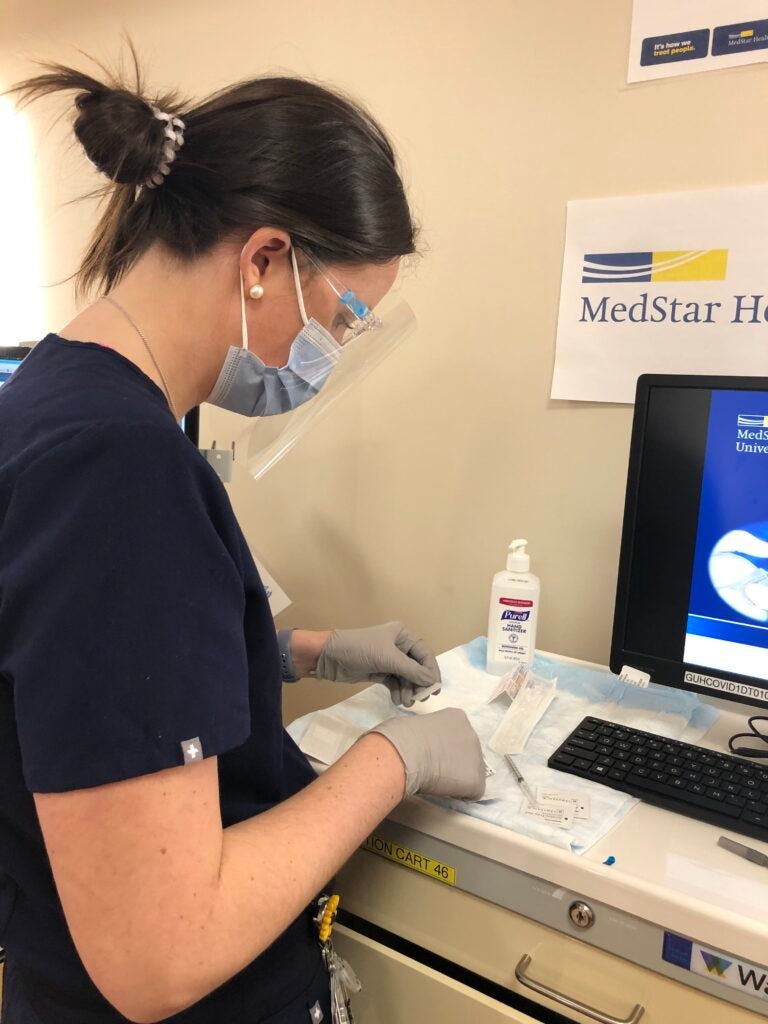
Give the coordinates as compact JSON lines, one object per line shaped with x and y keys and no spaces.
{"x":692,"y":595}
{"x":10,"y":358}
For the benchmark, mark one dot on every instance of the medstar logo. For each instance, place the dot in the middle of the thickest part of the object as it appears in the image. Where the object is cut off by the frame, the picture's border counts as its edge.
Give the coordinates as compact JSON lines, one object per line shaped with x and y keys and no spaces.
{"x":663,"y":265}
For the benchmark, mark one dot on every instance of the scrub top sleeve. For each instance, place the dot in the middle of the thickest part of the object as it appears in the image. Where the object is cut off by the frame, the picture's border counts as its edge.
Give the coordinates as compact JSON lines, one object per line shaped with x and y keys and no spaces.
{"x":121,"y":610}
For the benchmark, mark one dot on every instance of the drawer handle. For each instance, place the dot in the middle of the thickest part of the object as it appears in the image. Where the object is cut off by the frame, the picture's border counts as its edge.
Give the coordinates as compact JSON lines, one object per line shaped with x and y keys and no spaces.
{"x":573,"y":1004}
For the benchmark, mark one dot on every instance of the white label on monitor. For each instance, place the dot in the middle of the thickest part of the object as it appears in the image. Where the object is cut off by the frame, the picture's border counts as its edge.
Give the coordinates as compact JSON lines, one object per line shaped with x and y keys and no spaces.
{"x":634,"y":676}
{"x":727,"y":687}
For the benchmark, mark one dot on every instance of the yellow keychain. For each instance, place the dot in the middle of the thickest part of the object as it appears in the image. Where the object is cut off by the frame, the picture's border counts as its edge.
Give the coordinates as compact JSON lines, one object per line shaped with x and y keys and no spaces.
{"x":342,"y":977}
{"x":329,"y":916}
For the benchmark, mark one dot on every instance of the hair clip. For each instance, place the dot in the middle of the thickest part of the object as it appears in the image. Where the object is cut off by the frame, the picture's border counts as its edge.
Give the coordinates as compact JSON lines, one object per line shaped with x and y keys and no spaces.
{"x":174,"y":140}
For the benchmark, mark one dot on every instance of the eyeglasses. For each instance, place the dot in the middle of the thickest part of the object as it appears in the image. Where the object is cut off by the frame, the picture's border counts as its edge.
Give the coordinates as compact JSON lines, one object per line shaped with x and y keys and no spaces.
{"x":753,"y":734}
{"x":353,"y":316}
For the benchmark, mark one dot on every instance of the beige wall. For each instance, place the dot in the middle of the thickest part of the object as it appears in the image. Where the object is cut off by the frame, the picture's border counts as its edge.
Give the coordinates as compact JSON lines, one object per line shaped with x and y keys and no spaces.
{"x":403,"y":500}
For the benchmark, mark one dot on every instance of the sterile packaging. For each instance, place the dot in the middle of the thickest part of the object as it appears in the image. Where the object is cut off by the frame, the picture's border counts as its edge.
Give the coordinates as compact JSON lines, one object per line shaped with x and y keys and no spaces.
{"x":510,"y":684}
{"x":528,"y":707}
{"x":329,"y":737}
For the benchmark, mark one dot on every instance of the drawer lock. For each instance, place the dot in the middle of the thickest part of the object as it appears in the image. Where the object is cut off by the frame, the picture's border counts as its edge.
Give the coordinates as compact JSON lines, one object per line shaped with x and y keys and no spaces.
{"x":582,"y":915}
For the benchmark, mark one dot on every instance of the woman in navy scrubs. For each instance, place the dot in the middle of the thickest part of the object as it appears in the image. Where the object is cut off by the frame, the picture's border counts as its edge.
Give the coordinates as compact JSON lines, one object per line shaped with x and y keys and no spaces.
{"x":161,"y":837}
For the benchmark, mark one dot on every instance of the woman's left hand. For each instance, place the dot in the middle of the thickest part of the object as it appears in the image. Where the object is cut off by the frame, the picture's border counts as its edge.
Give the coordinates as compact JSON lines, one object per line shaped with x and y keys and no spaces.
{"x":388,"y":654}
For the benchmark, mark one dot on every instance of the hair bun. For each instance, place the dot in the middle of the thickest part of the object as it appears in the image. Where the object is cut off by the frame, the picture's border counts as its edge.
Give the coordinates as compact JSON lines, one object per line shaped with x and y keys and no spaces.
{"x":120,"y":134}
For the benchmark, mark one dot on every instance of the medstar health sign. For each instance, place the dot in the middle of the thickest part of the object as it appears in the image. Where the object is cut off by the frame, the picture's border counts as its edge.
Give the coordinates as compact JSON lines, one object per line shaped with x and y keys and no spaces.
{"x":631,"y":310}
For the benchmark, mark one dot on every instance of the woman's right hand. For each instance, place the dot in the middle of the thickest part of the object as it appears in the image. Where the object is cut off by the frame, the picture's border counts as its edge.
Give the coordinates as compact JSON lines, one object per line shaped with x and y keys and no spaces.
{"x":441,"y":753}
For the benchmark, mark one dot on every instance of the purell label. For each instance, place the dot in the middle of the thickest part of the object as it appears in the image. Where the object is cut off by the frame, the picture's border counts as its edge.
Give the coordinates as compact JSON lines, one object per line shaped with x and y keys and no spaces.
{"x":514,"y":626}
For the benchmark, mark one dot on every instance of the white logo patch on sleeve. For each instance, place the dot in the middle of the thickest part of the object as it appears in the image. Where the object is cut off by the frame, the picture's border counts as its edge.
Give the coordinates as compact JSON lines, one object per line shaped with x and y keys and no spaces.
{"x":192,"y":750}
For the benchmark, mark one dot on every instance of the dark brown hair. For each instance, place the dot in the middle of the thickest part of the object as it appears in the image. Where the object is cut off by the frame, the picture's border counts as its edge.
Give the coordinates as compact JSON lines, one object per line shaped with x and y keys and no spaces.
{"x":281,"y":151}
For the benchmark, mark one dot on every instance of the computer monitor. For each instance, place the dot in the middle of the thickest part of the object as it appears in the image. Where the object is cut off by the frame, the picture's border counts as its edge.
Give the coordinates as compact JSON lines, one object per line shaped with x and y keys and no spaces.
{"x":11,"y":358}
{"x":692,"y":593}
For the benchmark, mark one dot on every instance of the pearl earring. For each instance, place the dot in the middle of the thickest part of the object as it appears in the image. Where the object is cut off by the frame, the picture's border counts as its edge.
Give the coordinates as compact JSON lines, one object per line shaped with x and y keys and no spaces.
{"x":256,"y":291}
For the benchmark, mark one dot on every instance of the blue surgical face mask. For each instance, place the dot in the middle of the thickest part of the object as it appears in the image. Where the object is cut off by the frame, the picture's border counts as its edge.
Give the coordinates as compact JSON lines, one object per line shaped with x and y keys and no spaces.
{"x":247,"y":386}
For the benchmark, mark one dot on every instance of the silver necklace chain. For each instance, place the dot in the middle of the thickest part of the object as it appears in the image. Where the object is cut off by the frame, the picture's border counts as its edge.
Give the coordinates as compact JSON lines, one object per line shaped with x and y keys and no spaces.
{"x":135,"y":326}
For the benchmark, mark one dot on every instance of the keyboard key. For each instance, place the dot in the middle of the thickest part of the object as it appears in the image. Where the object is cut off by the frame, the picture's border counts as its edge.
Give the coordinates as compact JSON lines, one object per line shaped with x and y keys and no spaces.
{"x":606,"y":760}
{"x":731,"y":787}
{"x":578,"y":752}
{"x":614,"y":773}
{"x":655,"y":744}
{"x":755,"y":819}
{"x":712,"y":772}
{"x":603,"y":748}
{"x":562,"y":759}
{"x":620,"y":736}
{"x":582,"y":764}
{"x":678,"y":783}
{"x":736,"y":801}
{"x":622,"y":755}
{"x":750,"y":783}
{"x":676,"y":761}
{"x":586,"y":734}
{"x":730,"y":777}
{"x":696,"y":787}
{"x":656,"y":766}
{"x":716,"y":794}
{"x":623,"y":745}
{"x":642,"y":771}
{"x":658,"y":776}
{"x":575,"y":741}
{"x":756,"y":807}
{"x":675,"y":772}
{"x":695,"y":776}
{"x":598,"y":769}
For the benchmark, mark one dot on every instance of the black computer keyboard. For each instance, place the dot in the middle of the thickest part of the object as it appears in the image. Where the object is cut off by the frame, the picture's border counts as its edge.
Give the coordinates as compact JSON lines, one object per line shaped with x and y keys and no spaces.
{"x":700,"y":783}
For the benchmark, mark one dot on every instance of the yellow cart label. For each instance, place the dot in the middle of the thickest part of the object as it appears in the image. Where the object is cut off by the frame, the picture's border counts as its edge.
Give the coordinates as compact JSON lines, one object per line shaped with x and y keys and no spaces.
{"x":411,"y":859}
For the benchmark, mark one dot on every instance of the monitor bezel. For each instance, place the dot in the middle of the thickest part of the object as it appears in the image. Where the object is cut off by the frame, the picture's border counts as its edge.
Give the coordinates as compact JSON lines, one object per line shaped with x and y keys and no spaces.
{"x":661,"y":670}
{"x":16,"y":352}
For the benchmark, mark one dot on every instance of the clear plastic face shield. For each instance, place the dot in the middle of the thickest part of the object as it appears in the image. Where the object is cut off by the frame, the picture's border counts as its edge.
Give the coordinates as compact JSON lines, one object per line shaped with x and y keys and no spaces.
{"x":325,"y":362}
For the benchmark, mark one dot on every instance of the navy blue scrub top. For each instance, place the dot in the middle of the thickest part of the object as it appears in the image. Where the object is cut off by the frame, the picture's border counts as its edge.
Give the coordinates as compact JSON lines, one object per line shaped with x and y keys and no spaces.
{"x":132,"y":620}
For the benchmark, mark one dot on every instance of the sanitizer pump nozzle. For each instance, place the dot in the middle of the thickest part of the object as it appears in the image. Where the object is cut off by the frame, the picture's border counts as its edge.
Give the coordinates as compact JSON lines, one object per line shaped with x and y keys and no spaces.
{"x":518,"y":559}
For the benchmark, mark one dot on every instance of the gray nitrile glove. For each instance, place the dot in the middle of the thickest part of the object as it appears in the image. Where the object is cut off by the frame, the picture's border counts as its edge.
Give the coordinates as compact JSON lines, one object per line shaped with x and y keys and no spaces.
{"x":441,"y":753}
{"x":388,"y":654}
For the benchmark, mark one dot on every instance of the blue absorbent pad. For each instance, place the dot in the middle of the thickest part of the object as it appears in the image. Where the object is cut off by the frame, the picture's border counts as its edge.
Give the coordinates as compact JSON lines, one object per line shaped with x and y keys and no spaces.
{"x":581,"y":691}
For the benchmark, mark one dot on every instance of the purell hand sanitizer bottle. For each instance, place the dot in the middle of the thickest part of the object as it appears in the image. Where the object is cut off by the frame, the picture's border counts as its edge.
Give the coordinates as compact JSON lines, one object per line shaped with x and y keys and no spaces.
{"x":513,"y":613}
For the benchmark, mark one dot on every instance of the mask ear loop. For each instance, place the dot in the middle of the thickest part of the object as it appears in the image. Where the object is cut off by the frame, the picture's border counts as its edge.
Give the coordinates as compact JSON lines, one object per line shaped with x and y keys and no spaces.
{"x":243,"y":320}
{"x":299,"y":293}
